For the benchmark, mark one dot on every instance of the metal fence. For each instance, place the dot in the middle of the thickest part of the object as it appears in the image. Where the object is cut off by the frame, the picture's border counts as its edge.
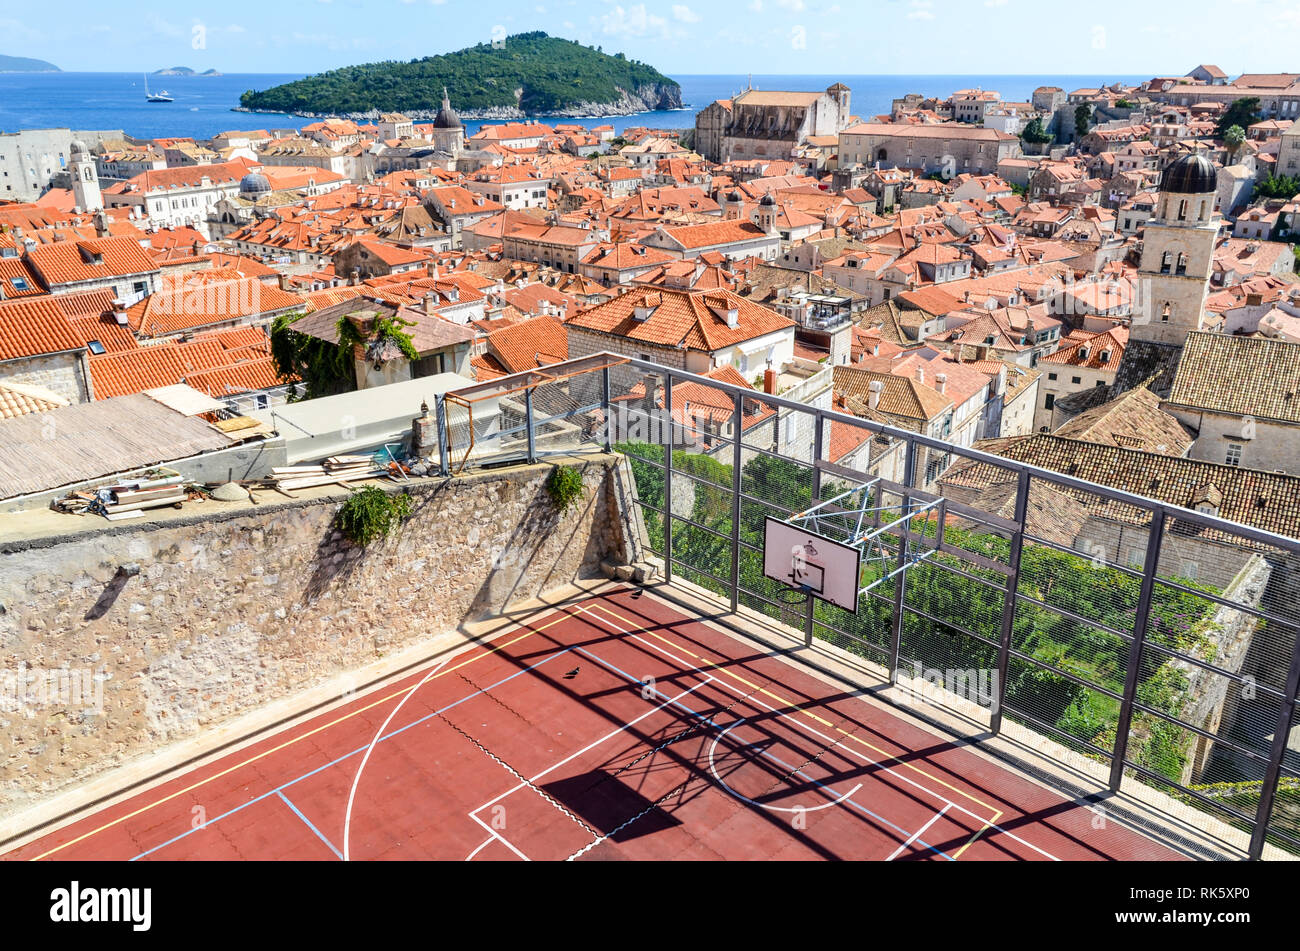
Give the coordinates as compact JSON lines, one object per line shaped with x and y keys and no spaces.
{"x":1157,"y":648}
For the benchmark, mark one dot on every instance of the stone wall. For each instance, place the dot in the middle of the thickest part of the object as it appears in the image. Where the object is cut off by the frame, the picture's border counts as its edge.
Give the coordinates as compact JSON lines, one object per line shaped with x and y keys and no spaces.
{"x":62,"y":373}
{"x":1227,"y":638}
{"x":243,"y":606}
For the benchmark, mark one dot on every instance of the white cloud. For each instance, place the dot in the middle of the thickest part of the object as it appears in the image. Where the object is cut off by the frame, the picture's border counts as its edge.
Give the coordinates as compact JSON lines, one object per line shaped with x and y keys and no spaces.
{"x":164,"y":27}
{"x":921,"y":10}
{"x":633,"y":21}
{"x":684,"y":14}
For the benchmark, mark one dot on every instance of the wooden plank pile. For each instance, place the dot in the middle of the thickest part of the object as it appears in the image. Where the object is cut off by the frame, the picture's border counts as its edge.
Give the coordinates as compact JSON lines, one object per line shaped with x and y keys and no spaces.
{"x":126,"y":499}
{"x":336,"y":470}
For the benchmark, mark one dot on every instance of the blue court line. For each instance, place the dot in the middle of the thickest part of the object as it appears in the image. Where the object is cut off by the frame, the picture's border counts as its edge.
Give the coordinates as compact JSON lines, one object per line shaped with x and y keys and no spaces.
{"x":359,"y":749}
{"x":319,"y":835}
{"x":765,"y":753}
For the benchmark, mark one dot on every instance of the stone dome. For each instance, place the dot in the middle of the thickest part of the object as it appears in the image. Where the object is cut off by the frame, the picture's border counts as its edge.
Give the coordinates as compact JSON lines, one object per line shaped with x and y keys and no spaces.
{"x":1190,"y":175}
{"x":254,"y":183}
{"x":768,"y":200}
{"x":447,"y":118}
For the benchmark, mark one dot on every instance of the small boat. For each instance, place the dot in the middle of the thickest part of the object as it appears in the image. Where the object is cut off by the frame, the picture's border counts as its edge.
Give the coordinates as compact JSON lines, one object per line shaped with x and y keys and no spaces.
{"x":157,"y":96}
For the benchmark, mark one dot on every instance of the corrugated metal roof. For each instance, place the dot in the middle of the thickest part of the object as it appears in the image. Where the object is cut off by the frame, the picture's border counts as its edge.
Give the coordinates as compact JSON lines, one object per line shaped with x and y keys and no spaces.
{"x":91,"y":440}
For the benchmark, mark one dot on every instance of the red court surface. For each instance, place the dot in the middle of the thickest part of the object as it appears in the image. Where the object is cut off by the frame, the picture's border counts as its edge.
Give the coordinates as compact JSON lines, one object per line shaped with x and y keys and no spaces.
{"x":613,"y":728}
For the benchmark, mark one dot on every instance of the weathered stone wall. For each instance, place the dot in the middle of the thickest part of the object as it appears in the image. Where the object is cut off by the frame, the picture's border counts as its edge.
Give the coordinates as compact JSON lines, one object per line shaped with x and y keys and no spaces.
{"x":1227,"y":637}
{"x":243,"y":606}
{"x":62,"y":373}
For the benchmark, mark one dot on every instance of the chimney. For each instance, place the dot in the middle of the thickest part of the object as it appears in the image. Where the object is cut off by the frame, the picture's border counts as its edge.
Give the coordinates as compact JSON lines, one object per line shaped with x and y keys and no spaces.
{"x":733,"y":317}
{"x":651,"y":394}
{"x":941,"y":382}
{"x":769,"y":381}
{"x":920,"y":374}
{"x":354,"y":278}
{"x":876,"y":389}
{"x":284,"y":281}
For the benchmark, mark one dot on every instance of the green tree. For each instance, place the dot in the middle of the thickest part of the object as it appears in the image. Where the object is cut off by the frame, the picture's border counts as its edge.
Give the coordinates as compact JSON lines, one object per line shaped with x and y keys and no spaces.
{"x":1278,"y":186}
{"x":1035,"y":133}
{"x":1234,"y":138}
{"x":1082,"y":119}
{"x":1243,"y":112}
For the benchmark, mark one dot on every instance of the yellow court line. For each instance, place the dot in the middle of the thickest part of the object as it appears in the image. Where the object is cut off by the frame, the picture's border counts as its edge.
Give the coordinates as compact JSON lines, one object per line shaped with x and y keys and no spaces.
{"x":985,"y":828}
{"x":288,"y":743}
{"x":789,"y":703}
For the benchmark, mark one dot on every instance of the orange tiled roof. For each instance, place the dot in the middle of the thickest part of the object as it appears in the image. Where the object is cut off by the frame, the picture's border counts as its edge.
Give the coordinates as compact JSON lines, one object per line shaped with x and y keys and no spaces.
{"x":34,"y":326}
{"x":202,"y":298}
{"x":73,"y":262}
{"x":693,"y":320}
{"x":530,"y":344}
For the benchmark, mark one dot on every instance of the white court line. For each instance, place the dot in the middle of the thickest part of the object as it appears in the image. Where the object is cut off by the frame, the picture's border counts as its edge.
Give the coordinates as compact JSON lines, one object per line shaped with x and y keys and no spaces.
{"x":918,"y":833}
{"x":486,"y":842}
{"x":589,"y":746}
{"x":495,"y":835}
{"x":762,"y":805}
{"x":347,"y":816}
{"x":811,"y":729}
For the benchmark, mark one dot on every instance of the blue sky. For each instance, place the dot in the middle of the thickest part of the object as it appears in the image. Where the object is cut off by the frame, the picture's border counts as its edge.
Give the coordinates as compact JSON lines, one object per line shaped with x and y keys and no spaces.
{"x":1098,"y":37}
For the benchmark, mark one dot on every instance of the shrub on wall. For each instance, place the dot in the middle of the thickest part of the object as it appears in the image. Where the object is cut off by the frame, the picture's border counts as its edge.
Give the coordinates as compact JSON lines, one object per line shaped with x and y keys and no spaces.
{"x":371,"y":513}
{"x":564,"y":486}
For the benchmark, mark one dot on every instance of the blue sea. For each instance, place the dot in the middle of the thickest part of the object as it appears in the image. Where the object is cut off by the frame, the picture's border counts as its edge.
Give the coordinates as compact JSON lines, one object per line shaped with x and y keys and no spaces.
{"x":204,"y":105}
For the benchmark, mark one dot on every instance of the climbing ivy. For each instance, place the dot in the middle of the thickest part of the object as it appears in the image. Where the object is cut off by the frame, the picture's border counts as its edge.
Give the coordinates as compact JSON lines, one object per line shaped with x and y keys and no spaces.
{"x":323,"y":368}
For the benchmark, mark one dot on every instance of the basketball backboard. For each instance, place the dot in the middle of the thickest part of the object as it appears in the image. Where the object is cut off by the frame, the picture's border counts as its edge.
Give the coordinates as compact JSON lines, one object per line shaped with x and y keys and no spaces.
{"x":809,"y":562}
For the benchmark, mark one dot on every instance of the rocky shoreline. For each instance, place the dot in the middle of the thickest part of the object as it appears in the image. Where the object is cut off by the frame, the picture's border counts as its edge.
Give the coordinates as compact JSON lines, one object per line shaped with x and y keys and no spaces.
{"x":646,"y":99}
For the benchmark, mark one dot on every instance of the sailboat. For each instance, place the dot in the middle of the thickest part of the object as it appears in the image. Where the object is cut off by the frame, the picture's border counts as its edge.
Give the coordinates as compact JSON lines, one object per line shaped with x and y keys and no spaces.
{"x":157,"y":96}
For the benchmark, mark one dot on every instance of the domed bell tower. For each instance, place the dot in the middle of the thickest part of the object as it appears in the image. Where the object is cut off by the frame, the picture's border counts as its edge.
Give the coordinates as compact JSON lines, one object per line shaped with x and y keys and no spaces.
{"x":448,"y":130}
{"x":1177,"y":254}
{"x":86,"y":195}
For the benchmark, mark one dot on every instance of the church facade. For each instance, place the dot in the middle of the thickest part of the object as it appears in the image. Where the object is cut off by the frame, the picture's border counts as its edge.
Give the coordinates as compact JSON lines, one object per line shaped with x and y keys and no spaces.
{"x":759,"y":124}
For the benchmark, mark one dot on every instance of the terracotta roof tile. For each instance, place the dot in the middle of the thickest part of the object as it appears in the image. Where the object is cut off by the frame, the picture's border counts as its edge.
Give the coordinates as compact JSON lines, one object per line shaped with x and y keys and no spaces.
{"x":98,"y":259}
{"x":34,"y":326}
{"x":694,"y":320}
{"x":1244,"y":376}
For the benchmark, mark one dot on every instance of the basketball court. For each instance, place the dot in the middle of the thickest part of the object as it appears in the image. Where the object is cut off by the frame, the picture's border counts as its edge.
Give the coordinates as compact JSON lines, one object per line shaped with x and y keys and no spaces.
{"x":614,"y":727}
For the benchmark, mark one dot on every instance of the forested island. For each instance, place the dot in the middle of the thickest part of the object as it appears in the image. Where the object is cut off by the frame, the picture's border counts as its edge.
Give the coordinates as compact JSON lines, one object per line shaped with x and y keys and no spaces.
{"x":528,"y":75}
{"x":23,"y":64}
{"x":184,"y":71}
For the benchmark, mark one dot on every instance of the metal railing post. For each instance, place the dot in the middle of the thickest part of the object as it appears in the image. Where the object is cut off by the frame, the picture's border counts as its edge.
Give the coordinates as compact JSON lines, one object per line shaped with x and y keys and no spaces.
{"x":528,"y":425}
{"x":737,"y":418}
{"x":818,"y":447}
{"x":1009,"y":604}
{"x":1281,"y":736}
{"x":668,"y":476}
{"x":444,"y":449}
{"x":604,"y":407}
{"x":1131,"y":676}
{"x":900,"y":586}
{"x":818,"y":426}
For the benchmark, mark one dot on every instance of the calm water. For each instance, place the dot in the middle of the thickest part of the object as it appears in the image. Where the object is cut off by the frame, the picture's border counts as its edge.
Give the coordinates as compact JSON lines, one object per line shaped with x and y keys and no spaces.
{"x":203,"y":104}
